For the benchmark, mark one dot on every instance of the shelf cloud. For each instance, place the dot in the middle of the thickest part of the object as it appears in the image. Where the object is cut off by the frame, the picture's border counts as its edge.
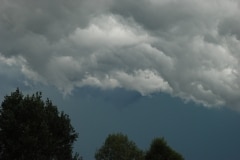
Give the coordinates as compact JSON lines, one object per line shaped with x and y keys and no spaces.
{"x":148,"y":46}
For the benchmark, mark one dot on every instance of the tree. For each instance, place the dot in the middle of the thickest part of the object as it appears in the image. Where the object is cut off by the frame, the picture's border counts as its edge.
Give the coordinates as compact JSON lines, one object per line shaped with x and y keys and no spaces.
{"x":33,"y":129}
{"x":119,"y":147}
{"x":159,"y":150}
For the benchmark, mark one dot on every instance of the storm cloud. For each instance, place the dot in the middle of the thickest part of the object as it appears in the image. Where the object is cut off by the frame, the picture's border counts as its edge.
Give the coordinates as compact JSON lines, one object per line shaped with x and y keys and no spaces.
{"x":189,"y":49}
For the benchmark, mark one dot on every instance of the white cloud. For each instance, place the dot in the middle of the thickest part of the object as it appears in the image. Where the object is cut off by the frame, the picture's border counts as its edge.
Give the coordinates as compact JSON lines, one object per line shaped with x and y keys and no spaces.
{"x":144,"y":81}
{"x":107,"y":31}
{"x":7,"y":61}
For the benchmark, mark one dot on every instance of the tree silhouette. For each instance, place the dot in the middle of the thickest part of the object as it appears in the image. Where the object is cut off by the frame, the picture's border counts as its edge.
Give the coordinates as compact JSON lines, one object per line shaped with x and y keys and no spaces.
{"x":159,"y":150}
{"x":33,"y":129}
{"x":119,"y":147}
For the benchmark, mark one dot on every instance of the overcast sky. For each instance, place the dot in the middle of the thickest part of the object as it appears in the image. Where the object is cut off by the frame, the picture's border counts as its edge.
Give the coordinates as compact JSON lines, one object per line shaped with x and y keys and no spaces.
{"x":131,"y":60}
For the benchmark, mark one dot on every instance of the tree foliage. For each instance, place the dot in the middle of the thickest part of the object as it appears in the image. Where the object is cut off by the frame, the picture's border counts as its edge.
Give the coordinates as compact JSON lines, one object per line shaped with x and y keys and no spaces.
{"x":119,"y":147}
{"x":31,"y":128}
{"x":159,"y":150}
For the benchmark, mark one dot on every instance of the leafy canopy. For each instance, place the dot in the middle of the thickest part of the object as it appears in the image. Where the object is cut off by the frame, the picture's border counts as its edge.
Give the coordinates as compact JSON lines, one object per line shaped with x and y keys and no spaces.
{"x":159,"y":150}
{"x":119,"y":147}
{"x":31,"y":128}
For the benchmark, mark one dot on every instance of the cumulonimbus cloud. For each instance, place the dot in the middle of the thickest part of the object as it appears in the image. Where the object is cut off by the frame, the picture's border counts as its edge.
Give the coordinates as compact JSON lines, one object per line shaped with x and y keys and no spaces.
{"x":149,"y":46}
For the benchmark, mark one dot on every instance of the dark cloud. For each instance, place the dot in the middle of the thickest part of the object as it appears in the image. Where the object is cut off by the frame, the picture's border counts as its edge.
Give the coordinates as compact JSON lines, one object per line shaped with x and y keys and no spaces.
{"x":188,"y":49}
{"x":230,"y":27}
{"x":158,"y":15}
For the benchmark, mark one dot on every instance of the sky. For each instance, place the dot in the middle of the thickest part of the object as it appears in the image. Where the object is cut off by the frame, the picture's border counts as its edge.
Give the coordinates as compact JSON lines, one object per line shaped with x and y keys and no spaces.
{"x":146,"y":68}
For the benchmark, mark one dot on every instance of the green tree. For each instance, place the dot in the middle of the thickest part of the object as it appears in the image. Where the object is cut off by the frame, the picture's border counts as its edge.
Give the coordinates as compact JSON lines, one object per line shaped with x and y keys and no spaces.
{"x":31,"y":128}
{"x":119,"y":147}
{"x":159,"y":150}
